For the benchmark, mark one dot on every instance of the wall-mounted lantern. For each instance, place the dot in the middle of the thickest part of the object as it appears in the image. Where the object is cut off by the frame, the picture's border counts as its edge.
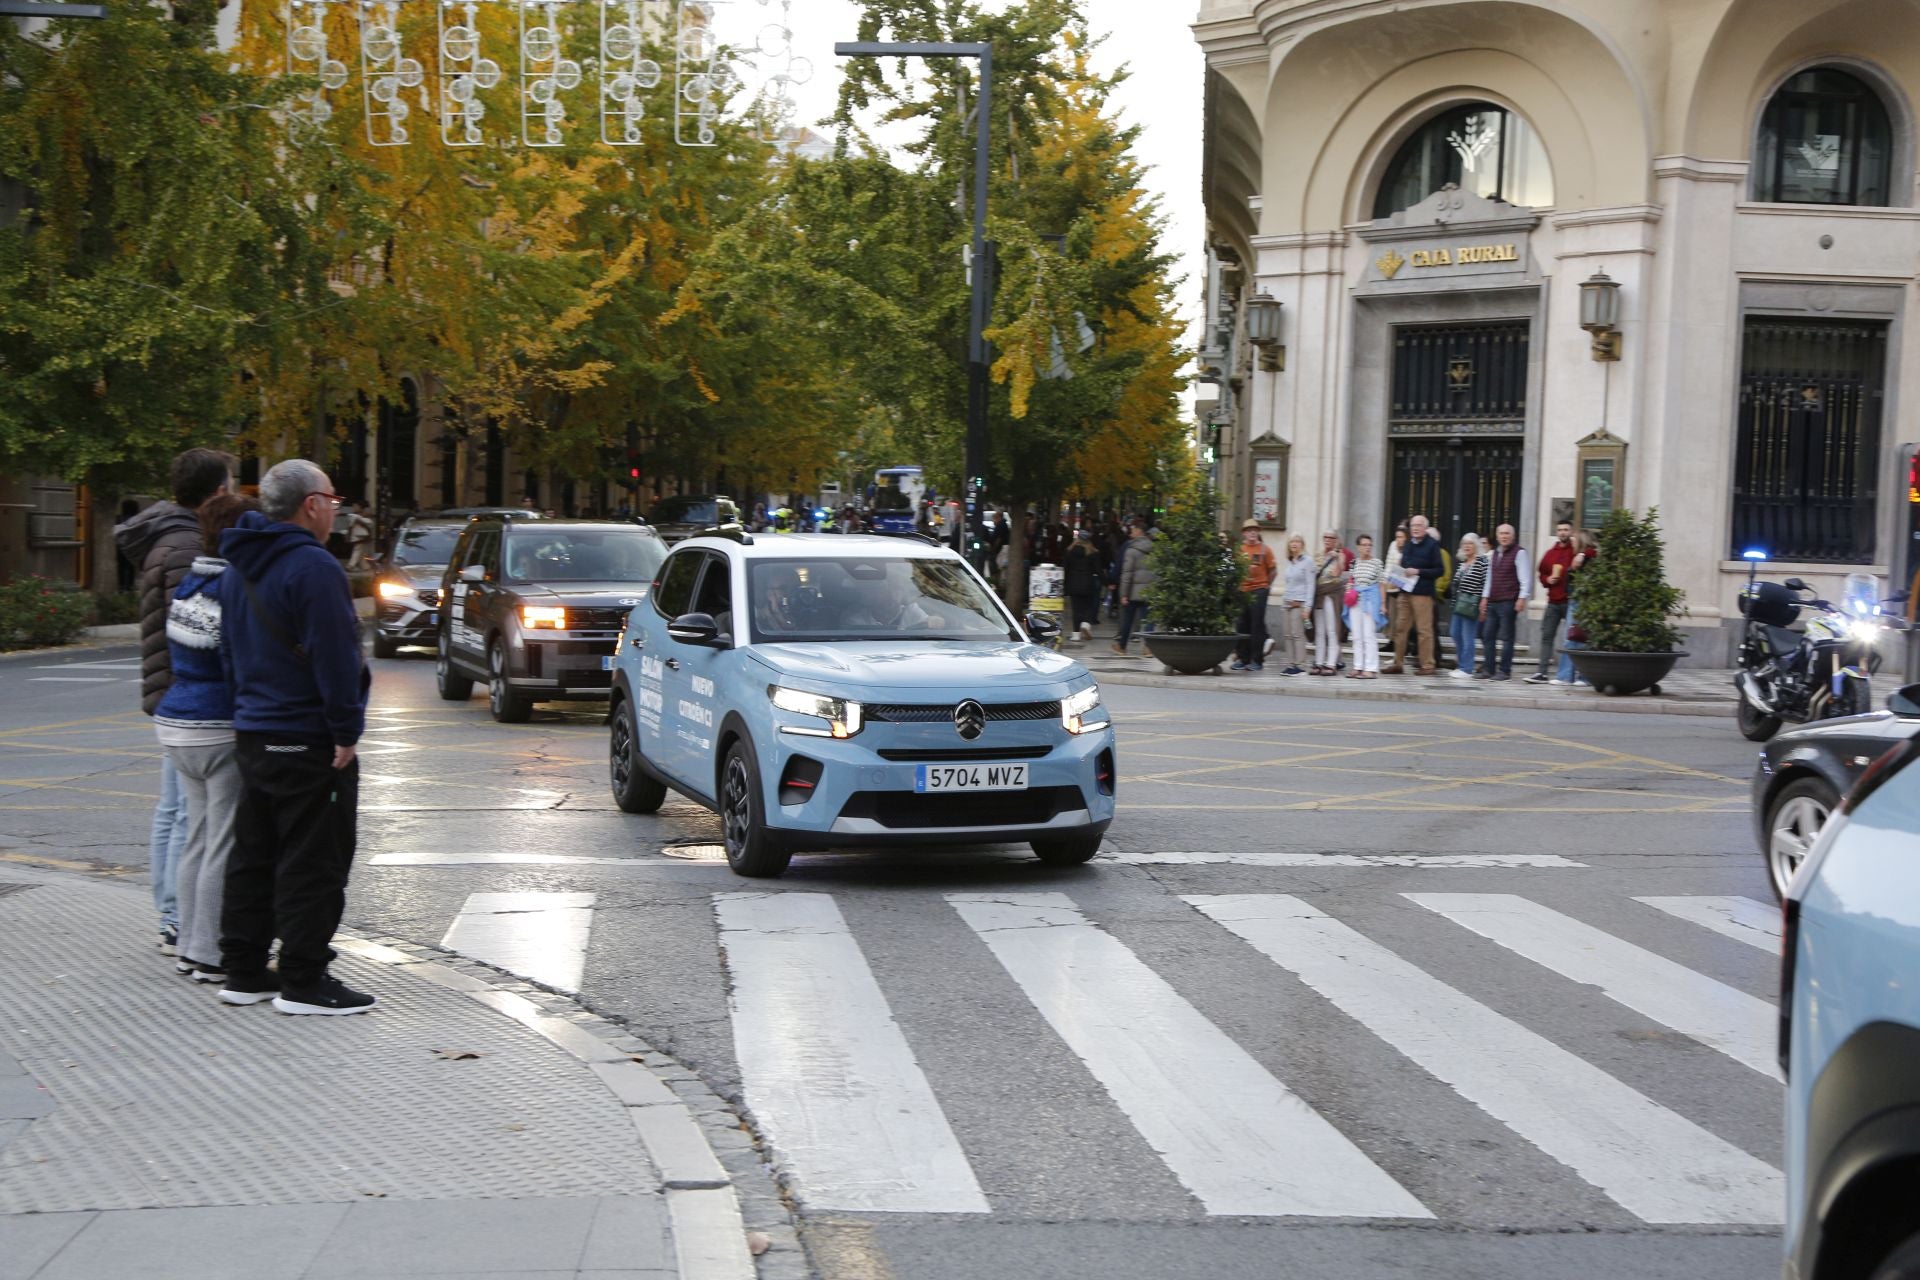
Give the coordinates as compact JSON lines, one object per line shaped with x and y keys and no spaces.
{"x":1263,"y":331}
{"x":1600,"y":314}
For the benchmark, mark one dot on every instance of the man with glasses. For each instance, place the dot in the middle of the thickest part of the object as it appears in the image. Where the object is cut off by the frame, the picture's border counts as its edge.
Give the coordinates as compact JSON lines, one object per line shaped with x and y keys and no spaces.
{"x":292,"y":649}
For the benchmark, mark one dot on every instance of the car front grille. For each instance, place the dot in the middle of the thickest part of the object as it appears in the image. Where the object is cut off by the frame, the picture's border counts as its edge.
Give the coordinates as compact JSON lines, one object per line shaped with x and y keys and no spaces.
{"x":959,"y":755}
{"x":939,"y":712}
{"x":596,"y":619}
{"x":908,"y":810}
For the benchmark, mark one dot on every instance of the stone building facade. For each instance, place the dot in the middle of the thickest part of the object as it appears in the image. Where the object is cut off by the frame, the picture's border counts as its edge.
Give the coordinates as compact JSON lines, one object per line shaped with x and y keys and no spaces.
{"x":1425,"y":186}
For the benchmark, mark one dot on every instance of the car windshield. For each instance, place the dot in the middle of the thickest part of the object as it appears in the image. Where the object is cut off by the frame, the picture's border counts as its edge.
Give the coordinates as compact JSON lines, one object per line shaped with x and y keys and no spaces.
{"x":550,"y":554}
{"x":430,"y":545}
{"x":686,"y":511}
{"x":919,"y":598}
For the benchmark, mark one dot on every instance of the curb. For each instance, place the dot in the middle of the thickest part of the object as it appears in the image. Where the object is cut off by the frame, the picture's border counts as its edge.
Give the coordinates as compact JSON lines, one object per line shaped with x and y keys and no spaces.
{"x":718,"y":1189}
{"x":1632,"y":705}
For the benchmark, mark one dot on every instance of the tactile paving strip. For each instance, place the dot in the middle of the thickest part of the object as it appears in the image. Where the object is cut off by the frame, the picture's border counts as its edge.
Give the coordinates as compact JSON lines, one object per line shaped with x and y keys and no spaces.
{"x":169,"y":1098}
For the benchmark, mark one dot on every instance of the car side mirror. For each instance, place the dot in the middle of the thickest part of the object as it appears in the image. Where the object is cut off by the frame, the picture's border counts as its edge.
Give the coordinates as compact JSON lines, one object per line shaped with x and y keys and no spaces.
{"x":697,"y":628}
{"x":474,"y":573}
{"x":1041,"y":628}
{"x":1794,"y":584}
{"x":1905,"y":702}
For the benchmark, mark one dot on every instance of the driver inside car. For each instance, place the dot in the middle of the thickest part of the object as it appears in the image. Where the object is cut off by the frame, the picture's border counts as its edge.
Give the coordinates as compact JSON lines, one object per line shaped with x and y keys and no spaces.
{"x":776,"y":610}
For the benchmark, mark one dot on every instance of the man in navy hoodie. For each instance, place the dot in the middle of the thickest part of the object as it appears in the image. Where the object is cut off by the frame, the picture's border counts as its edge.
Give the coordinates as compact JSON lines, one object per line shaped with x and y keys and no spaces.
{"x":292,"y":646}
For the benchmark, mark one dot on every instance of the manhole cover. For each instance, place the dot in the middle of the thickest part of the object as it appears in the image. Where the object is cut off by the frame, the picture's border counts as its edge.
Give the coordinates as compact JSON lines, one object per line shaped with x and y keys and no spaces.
{"x":696,"y":852}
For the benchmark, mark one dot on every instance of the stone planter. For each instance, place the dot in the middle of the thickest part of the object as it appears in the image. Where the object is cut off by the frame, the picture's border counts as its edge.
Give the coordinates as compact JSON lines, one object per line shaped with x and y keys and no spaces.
{"x":1623,"y":673}
{"x":1190,"y":655}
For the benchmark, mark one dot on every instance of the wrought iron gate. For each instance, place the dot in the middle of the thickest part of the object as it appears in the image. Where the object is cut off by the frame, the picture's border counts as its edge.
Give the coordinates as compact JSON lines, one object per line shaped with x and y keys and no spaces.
{"x":1806,"y":474}
{"x":1456,"y":425}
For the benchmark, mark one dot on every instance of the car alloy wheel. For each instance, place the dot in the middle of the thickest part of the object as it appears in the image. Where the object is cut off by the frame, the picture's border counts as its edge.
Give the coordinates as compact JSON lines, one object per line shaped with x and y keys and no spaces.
{"x":620,"y":751}
{"x":736,"y":806}
{"x":507,"y":706}
{"x":1795,"y":825}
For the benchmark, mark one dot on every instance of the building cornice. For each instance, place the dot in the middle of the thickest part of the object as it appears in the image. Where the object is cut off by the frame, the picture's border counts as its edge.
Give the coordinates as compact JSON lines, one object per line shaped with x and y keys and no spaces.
{"x":1858,"y":212}
{"x":1230,"y":38}
{"x":1619,"y":214}
{"x":1694,"y":169}
{"x":1302,"y":240}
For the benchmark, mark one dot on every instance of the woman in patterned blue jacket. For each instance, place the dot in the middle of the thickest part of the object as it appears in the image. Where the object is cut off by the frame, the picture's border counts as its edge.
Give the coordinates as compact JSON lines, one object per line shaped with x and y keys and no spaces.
{"x":194,"y":722}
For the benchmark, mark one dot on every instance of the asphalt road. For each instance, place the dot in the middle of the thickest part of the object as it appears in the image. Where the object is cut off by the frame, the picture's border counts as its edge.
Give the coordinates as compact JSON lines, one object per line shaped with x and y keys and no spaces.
{"x":1355,"y":992}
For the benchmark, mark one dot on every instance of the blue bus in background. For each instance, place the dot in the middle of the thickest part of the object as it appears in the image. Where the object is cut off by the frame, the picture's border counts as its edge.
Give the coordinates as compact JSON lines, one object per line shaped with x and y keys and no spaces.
{"x":897,"y":492}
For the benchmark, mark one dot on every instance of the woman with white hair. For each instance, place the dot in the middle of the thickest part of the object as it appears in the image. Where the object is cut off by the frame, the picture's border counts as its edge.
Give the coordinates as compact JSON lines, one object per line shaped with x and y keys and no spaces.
{"x":1469,"y":584}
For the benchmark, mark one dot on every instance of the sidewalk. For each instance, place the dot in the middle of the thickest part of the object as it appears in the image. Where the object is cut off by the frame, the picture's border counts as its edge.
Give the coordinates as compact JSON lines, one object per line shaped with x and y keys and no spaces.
{"x":468,"y":1126}
{"x":1696,"y":691}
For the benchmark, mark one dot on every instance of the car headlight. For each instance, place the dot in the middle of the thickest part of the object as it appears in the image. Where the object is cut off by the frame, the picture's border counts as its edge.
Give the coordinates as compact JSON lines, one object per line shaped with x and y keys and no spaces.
{"x":394,"y":590}
{"x":842,"y":716}
{"x":1077,"y":711}
{"x":535,"y":616}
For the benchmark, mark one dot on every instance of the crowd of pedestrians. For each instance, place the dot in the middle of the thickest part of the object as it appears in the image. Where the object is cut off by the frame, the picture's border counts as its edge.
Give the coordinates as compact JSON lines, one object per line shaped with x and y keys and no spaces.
{"x":252,"y":670}
{"x":1338,"y":603}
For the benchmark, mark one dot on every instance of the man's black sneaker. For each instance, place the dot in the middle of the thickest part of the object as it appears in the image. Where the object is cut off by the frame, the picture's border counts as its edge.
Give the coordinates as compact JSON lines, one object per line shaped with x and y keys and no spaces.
{"x":169,"y":940}
{"x":328,"y":996}
{"x":250,"y":988}
{"x":1538,"y":677}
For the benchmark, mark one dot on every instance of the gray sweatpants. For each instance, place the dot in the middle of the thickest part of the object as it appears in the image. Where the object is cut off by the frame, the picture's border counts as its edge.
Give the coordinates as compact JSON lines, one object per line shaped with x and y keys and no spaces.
{"x":210,"y":776}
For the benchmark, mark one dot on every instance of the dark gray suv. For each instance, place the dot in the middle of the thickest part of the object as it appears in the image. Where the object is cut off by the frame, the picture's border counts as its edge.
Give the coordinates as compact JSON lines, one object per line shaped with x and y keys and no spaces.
{"x":531,"y":607}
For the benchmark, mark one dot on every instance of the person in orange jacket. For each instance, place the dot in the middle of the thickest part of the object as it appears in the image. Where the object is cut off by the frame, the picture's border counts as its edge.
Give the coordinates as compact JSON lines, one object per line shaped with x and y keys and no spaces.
{"x":1262,"y":569}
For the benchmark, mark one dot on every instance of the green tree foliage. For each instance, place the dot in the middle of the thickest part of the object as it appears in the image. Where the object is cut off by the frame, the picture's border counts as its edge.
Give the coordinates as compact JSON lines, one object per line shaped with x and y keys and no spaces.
{"x":1196,"y":579}
{"x":1623,"y":597}
{"x":164,"y":237}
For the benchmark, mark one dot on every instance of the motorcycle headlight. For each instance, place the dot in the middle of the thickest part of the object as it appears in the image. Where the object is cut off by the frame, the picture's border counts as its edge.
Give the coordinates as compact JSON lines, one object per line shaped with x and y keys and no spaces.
{"x":535,"y":616}
{"x":1077,"y":711}
{"x":394,"y":590}
{"x":1864,"y":630}
{"x":841,"y":714}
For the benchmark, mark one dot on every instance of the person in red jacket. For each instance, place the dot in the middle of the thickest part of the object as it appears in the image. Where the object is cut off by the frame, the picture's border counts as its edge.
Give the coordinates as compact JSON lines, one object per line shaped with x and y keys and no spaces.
{"x":1262,"y":568}
{"x":1556,"y":575}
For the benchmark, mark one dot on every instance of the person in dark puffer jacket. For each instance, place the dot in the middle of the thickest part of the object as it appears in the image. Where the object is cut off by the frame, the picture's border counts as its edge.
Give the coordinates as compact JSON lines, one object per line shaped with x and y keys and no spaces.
{"x":194,"y":723}
{"x":163,"y":540}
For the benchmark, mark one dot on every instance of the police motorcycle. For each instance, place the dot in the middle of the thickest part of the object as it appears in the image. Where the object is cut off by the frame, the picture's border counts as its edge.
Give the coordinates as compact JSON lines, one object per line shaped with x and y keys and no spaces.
{"x":1819,"y":672}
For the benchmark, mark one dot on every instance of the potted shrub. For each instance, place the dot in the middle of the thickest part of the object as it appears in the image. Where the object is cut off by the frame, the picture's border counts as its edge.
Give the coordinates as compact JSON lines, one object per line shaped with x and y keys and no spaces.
{"x":1624,"y":603}
{"x":1195,"y":598}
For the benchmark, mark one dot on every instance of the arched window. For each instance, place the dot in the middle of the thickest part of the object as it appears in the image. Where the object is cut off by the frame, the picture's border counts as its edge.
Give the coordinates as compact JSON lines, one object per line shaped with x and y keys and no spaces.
{"x":1478,"y":147}
{"x":1825,"y":139}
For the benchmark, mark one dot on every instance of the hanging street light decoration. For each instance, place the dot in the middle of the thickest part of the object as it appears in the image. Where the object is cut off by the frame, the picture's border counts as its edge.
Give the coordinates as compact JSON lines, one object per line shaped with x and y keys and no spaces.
{"x":701,"y":78}
{"x":625,"y":69}
{"x":775,"y":43}
{"x":385,"y":72}
{"x":307,"y":56}
{"x":545,"y":73}
{"x":464,"y":72}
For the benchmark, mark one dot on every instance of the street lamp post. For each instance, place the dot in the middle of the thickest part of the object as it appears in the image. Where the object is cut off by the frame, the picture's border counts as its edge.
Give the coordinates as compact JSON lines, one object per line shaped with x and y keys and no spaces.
{"x":979,"y":374}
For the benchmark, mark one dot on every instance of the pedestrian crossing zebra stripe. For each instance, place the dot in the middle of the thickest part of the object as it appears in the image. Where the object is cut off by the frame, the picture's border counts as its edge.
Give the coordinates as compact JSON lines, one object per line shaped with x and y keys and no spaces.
{"x":539,"y":936}
{"x":1742,"y":919}
{"x":825,"y":1068}
{"x":1653,"y":1162}
{"x":1743,"y":1027}
{"x":1238,"y":1139}
{"x":1434,"y":861}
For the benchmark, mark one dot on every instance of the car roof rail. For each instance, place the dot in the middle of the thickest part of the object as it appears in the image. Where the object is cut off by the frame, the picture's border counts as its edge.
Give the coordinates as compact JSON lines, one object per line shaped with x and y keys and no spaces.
{"x":915,"y":534}
{"x":731,"y":532}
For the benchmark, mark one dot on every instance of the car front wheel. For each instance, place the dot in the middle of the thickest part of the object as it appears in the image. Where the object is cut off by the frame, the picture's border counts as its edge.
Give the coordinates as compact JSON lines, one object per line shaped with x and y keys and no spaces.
{"x":1067,"y":851}
{"x":1793,"y":824}
{"x":751,"y":849}
{"x":507,"y":706}
{"x":634,"y":790}
{"x":454,"y":687}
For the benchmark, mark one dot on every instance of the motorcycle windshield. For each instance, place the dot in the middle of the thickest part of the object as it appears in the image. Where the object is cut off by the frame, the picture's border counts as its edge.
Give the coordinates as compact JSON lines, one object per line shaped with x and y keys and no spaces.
{"x":1861,"y":595}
